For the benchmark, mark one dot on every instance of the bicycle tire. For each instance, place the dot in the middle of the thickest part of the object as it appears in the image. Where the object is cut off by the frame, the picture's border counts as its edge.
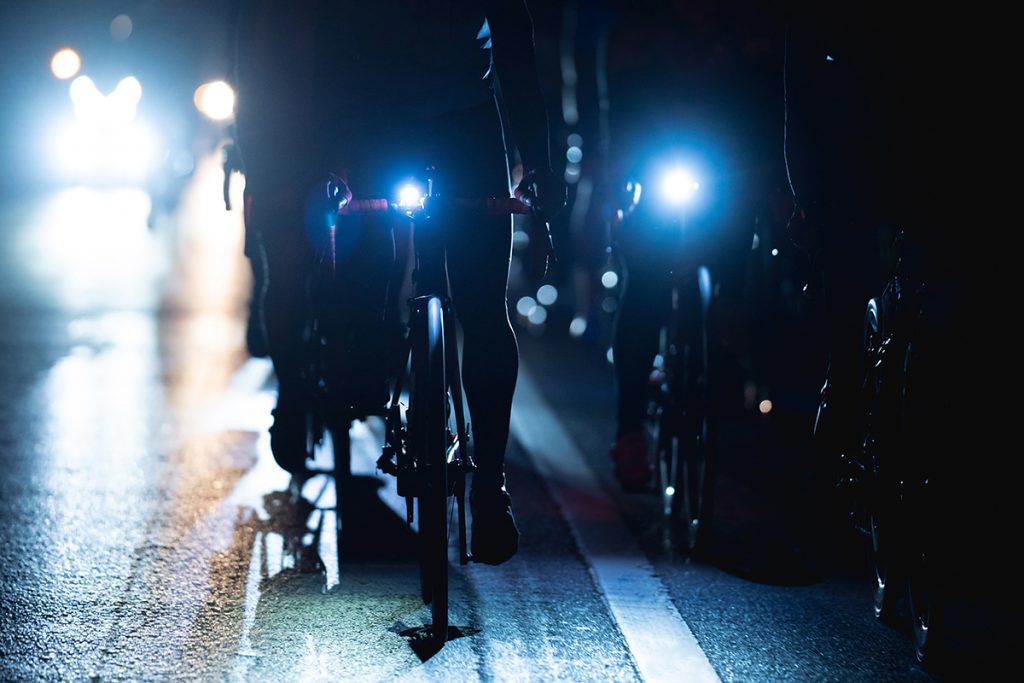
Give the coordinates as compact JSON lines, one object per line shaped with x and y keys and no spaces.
{"x":428,"y":407}
{"x":666,"y":449}
{"x":925,"y":604}
{"x":924,"y":595}
{"x":696,"y":472}
{"x":882,"y":518}
{"x":341,"y":444}
{"x":695,"y":469}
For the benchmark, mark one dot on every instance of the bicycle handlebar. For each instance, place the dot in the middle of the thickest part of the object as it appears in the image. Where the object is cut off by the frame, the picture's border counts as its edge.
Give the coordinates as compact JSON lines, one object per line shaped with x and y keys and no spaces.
{"x":491,"y":205}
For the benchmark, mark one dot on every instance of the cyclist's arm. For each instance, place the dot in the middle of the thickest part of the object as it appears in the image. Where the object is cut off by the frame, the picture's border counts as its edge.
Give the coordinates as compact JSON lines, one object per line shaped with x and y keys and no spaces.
{"x":515,"y":66}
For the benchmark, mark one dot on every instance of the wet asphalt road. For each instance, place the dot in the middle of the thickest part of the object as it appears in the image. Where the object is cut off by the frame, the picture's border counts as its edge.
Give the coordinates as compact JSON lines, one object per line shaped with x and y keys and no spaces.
{"x":147,"y":533}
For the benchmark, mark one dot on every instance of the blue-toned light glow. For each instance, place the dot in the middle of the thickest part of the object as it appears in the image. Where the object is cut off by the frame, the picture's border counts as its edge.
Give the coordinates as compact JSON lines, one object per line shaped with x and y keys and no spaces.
{"x":678,"y":186}
{"x":411,"y":197}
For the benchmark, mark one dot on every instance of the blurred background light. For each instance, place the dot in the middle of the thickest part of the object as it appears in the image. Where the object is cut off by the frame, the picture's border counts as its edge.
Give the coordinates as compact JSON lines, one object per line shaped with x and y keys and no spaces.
{"x":525,"y":306}
{"x":520,"y":240}
{"x":121,"y":27}
{"x":216,"y":100}
{"x":116,"y":108}
{"x":547,"y":294}
{"x":65,"y":63}
{"x":88,"y":100}
{"x":122,"y":103}
{"x":126,"y":152}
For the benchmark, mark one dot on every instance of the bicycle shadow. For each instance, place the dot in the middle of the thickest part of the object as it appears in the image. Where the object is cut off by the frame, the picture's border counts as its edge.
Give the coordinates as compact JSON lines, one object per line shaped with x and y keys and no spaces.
{"x":329,"y":578}
{"x":421,"y":638}
{"x":369,"y":530}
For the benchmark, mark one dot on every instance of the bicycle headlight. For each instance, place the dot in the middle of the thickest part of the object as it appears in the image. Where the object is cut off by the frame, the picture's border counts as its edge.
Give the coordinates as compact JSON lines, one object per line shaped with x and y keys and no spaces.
{"x":678,"y":186}
{"x":411,"y":197}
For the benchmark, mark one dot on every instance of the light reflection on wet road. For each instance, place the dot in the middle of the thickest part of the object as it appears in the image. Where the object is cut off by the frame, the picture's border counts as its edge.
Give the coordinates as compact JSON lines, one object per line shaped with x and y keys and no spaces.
{"x":147,"y":533}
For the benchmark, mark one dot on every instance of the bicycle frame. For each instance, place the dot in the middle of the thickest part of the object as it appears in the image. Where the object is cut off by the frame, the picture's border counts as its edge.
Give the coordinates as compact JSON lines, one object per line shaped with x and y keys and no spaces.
{"x":889,"y":476}
{"x":430,"y":280}
{"x":429,"y":459}
{"x":679,"y":416}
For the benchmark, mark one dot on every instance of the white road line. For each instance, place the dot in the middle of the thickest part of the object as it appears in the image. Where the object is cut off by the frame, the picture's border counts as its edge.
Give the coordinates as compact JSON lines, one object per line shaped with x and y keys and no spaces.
{"x":661,"y":643}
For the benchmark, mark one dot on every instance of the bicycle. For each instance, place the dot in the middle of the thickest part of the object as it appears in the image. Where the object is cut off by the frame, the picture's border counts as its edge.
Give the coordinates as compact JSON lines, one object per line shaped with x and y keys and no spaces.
{"x":426,"y":443}
{"x":888,"y":476}
{"x":679,"y":415}
{"x":679,"y":419}
{"x":344,"y":376}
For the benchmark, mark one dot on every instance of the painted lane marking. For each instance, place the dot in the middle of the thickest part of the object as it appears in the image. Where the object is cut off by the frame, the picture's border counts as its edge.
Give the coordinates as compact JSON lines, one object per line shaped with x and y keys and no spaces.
{"x":659,"y":639}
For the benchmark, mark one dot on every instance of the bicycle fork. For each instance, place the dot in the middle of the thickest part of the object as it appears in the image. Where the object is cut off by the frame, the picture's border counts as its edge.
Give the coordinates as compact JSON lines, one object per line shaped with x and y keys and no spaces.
{"x":397,"y":459}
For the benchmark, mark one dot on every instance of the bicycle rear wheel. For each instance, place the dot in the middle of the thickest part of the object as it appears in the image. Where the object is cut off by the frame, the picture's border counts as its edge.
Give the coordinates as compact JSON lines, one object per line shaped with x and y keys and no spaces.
{"x":429,"y":435}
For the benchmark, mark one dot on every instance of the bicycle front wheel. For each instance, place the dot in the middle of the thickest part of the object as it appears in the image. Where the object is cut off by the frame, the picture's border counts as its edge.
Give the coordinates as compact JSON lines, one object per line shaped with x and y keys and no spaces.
{"x":429,"y":437}
{"x":695,"y":471}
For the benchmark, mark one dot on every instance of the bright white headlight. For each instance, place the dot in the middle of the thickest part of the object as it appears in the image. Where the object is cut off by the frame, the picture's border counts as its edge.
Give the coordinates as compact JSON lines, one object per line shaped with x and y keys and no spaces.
{"x":678,"y":186}
{"x":410,"y":197}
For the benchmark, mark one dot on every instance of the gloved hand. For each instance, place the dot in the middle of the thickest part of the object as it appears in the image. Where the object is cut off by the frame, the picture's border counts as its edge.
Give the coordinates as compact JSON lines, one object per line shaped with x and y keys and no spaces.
{"x":545,"y":193}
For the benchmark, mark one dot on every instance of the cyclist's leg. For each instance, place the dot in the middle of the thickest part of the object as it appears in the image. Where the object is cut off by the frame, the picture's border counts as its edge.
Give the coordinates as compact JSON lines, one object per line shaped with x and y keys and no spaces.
{"x":478,"y":271}
{"x":641,"y":314}
{"x":479,"y":253}
{"x":278,"y":222}
{"x":642,"y":310}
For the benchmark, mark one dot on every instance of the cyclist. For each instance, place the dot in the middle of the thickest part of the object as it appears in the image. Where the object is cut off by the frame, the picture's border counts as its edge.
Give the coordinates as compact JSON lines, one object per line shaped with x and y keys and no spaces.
{"x":869,"y":148}
{"x":373,"y":92}
{"x":693,"y":77}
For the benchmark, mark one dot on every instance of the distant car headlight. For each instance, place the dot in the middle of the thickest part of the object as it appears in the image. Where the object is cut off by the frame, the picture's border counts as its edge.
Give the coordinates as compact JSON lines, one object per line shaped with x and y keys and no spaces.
{"x":88,"y":152}
{"x":105,"y":142}
{"x":117,"y":107}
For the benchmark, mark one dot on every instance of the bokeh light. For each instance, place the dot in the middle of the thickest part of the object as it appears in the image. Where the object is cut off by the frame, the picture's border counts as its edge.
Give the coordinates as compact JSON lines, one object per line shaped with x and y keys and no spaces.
{"x":547,"y":294}
{"x":216,"y":100}
{"x":121,"y":27}
{"x":65,"y":63}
